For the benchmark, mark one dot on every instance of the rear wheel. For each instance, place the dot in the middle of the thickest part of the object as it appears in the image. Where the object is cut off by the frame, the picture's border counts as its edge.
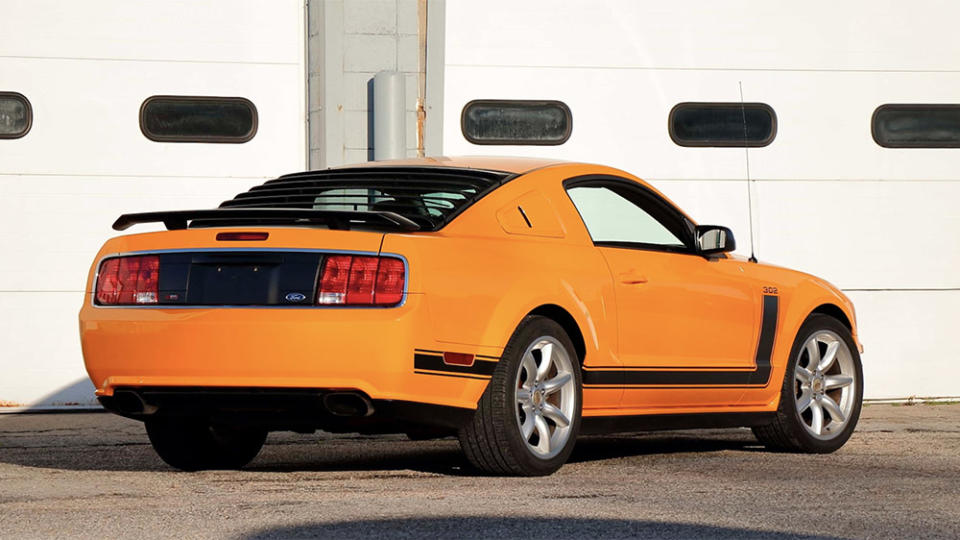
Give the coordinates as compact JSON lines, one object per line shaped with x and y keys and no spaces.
{"x":193,"y":444}
{"x":528,"y":419}
{"x":822,"y":391}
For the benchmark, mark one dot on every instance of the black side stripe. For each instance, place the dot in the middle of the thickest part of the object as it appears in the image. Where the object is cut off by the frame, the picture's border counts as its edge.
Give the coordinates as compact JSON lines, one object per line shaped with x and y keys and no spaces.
{"x":432,"y":362}
{"x":760,"y":375}
{"x":768,"y":332}
{"x":454,"y":375}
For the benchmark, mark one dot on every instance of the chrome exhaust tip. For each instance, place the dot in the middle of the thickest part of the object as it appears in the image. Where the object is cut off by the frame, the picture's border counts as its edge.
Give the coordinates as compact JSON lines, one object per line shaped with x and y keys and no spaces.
{"x":348,"y":404}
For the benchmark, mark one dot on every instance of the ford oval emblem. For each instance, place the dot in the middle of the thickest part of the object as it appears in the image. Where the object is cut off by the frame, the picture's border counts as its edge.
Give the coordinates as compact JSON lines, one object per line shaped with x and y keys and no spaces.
{"x":295,"y":297}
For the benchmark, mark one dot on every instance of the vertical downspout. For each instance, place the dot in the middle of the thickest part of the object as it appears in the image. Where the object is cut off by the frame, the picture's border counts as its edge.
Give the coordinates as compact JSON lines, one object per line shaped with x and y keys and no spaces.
{"x":422,"y":74}
{"x":389,"y":116}
{"x":306,"y":73}
{"x":432,"y":102}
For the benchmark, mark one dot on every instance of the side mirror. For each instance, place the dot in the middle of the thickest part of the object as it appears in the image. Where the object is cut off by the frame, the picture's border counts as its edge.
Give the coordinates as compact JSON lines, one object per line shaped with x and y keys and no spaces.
{"x":713,"y":239}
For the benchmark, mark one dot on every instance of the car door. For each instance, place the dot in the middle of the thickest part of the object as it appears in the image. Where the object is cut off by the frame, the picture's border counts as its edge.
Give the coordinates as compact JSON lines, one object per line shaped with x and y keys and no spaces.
{"x":687,"y":324}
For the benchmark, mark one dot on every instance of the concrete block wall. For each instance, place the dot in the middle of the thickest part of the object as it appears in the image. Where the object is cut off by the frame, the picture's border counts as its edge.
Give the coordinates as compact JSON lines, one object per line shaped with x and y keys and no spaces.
{"x":349,"y":41}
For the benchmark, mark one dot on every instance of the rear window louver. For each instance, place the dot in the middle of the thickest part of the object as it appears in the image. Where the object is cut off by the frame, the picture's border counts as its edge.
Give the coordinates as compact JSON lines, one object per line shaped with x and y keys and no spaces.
{"x":428,"y":196}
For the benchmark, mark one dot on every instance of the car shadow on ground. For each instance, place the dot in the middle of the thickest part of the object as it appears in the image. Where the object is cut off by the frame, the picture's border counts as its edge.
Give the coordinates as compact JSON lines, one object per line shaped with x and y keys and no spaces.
{"x":513,"y":527}
{"x":598,"y":448}
{"x":444,"y":456}
{"x":289,"y":453}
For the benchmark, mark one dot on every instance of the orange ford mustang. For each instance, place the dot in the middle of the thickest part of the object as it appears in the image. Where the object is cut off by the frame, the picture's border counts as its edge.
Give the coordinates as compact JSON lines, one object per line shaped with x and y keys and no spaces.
{"x":515,"y":303}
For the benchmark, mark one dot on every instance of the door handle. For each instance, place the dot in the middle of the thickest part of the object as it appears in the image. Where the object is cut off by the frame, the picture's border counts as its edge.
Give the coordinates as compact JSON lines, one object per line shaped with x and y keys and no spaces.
{"x":633,"y":278}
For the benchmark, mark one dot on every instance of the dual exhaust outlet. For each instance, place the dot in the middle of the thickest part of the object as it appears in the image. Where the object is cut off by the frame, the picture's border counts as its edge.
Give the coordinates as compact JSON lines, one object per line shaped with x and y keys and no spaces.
{"x":340,"y":404}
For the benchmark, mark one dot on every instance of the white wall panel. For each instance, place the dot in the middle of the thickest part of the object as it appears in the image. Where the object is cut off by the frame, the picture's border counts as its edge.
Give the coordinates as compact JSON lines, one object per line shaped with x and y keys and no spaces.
{"x":824,"y":124}
{"x":620,"y":117}
{"x":863,"y":235}
{"x":40,"y":358}
{"x":909,"y":342}
{"x":86,"y":68}
{"x":86,"y":118}
{"x":238,"y":31}
{"x":63,"y":221}
{"x":681,"y":34}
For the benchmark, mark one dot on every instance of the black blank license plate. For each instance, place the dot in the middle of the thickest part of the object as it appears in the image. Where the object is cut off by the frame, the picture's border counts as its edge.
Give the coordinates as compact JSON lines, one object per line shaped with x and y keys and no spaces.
{"x":232,"y":284}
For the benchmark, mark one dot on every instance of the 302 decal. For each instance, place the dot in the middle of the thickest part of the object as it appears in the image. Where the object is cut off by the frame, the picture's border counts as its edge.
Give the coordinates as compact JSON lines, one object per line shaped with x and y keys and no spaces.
{"x":770,"y":290}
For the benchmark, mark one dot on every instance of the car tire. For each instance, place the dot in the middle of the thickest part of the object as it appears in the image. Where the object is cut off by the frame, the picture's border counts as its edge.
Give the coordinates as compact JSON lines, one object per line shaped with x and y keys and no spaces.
{"x":528,"y":418}
{"x":822,"y":391}
{"x":192,"y":444}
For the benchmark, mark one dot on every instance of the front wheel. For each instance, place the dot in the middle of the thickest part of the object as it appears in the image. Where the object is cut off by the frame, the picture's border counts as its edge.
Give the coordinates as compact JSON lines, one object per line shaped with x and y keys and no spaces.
{"x":528,"y":418}
{"x":192,"y":444}
{"x":822,"y":391}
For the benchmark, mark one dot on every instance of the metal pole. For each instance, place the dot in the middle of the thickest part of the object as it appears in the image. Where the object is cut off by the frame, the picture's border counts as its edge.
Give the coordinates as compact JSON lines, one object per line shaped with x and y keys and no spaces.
{"x":389,"y":130}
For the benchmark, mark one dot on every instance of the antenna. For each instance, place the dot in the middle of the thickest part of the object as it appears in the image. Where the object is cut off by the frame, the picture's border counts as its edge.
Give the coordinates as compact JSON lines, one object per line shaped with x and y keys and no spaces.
{"x":746,"y":154}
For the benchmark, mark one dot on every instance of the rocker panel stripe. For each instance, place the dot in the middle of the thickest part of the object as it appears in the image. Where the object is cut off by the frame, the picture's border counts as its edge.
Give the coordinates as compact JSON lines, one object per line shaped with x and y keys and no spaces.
{"x":758,"y":376}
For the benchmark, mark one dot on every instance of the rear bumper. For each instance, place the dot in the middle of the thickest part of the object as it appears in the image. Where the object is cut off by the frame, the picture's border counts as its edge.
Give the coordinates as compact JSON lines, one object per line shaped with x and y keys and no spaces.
{"x":296,"y":409}
{"x":367,"y":350}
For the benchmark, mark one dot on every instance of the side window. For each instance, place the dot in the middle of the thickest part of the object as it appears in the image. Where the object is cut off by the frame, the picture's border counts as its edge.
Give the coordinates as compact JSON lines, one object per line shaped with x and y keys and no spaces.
{"x":618,"y":215}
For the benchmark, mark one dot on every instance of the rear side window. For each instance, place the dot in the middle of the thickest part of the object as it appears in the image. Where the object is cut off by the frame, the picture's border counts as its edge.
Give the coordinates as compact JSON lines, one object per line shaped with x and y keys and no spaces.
{"x":722,"y":124}
{"x":16,"y":115}
{"x":916,"y":126}
{"x":198,"y":119}
{"x":516,"y":122}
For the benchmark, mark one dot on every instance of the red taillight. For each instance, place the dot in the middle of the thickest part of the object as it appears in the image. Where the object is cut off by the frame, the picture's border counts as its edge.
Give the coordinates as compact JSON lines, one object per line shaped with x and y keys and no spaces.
{"x":108,"y":286}
{"x":361,"y":280}
{"x":127,"y":276}
{"x":363,"y":275}
{"x":333,"y":281}
{"x":390,"y":278}
{"x":148,"y":280}
{"x":129,"y":280}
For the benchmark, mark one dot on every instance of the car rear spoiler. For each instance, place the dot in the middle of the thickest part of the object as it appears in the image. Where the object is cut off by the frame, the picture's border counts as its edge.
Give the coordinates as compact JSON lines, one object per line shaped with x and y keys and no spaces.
{"x":216,"y":217}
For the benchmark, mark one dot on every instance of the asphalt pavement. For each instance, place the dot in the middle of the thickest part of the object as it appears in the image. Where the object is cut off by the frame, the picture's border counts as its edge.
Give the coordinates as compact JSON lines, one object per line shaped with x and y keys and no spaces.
{"x":95,"y":476}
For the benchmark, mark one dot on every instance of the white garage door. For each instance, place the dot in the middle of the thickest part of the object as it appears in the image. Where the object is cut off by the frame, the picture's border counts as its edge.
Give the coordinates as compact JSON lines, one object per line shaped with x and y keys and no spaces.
{"x":86,"y":68}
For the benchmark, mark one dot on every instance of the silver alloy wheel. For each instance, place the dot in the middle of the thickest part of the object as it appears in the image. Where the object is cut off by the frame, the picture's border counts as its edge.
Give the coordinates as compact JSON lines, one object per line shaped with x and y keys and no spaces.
{"x":825,"y":385}
{"x":546,"y":397}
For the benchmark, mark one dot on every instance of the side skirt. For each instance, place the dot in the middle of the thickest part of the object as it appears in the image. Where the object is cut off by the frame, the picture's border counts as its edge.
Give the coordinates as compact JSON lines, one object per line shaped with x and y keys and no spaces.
{"x":596,"y":425}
